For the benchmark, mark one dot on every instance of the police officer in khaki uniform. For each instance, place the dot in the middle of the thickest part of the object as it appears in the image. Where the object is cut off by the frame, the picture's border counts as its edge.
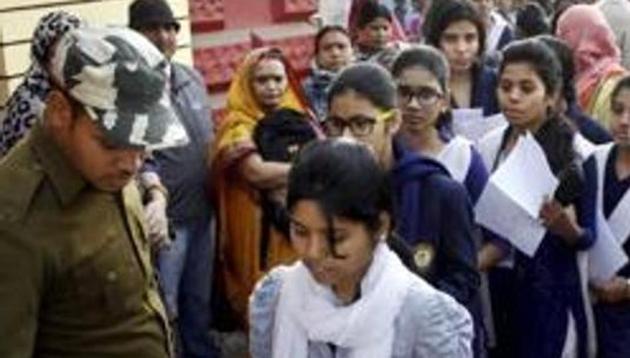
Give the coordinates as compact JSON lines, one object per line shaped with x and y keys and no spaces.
{"x":75,"y":273}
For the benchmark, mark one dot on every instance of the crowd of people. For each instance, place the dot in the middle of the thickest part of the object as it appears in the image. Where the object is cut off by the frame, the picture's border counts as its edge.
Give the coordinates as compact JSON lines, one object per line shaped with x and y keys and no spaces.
{"x":450,"y":179}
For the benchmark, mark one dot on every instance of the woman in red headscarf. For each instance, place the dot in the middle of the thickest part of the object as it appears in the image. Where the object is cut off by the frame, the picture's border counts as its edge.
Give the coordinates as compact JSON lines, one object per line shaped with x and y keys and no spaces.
{"x":597,"y":58}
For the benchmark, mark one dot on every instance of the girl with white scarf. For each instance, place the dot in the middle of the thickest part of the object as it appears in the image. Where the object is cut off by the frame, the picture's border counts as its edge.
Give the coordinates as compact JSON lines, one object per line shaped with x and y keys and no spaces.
{"x":349,"y":295}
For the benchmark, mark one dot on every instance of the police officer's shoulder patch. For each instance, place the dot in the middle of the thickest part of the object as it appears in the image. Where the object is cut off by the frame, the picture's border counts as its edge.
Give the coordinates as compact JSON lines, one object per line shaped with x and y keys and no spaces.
{"x":19,"y":180}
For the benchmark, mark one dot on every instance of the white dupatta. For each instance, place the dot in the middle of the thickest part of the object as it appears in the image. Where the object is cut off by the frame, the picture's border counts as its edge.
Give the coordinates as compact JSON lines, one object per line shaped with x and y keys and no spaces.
{"x":607,"y":255}
{"x":307,"y":311}
{"x":456,"y":157}
{"x":618,"y":221}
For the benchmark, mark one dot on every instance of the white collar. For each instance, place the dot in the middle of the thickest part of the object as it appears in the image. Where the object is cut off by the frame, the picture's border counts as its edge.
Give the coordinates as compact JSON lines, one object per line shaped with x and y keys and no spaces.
{"x":307,"y":311}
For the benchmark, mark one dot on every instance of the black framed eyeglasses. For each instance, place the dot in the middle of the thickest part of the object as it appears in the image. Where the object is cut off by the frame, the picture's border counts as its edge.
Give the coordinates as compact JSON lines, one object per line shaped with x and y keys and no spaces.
{"x":359,"y":125}
{"x":425,"y":96}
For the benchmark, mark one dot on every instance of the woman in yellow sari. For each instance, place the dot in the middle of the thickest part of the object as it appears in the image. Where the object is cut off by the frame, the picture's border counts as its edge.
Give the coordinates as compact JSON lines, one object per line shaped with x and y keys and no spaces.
{"x":263,"y":83}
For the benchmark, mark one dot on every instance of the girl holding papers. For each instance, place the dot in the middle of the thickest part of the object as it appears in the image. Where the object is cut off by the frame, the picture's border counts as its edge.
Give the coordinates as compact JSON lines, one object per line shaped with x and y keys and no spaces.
{"x":421,"y":75}
{"x":612,"y":162}
{"x":546,"y":309}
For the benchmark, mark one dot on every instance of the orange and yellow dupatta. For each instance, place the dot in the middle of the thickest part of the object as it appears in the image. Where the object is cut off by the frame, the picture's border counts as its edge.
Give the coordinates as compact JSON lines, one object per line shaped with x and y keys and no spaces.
{"x":237,"y":202}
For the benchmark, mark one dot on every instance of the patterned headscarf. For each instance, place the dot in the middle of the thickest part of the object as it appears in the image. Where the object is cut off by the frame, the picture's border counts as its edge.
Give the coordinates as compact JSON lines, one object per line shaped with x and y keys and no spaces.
{"x":26,"y":104}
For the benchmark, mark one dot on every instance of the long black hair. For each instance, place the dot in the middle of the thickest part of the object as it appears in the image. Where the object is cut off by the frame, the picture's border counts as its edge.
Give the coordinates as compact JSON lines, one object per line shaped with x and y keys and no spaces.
{"x":433,"y":61}
{"x":368,"y":80}
{"x":326,"y":30}
{"x":624,"y":83}
{"x":539,"y":57}
{"x":344,"y":178}
{"x":425,"y":57}
{"x":565,"y":57}
{"x":443,"y":13}
{"x":531,"y":20}
{"x":371,"y":11}
{"x":556,"y":134}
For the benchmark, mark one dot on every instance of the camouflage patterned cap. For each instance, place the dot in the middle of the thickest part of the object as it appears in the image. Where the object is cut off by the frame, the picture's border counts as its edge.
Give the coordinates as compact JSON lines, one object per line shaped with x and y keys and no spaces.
{"x":121,"y":79}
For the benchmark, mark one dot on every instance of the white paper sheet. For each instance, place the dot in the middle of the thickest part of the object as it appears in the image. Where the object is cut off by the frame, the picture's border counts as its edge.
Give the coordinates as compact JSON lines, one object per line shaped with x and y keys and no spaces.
{"x":525,"y":175}
{"x":510,"y":203}
{"x":583,"y":146}
{"x":456,"y":157}
{"x":496,"y":211}
{"x":472,"y":125}
{"x":606,"y":256}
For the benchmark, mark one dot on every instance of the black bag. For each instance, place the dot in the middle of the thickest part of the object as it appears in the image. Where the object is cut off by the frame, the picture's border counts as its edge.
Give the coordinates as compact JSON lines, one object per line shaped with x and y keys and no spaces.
{"x":279,"y":137}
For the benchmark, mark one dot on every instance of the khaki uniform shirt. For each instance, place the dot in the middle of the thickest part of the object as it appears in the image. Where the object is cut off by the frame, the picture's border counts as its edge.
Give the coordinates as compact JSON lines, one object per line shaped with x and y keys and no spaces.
{"x":75,"y":273}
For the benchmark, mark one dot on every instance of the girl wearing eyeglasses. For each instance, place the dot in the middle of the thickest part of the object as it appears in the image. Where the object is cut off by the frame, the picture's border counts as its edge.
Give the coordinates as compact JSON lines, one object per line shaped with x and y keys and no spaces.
{"x":421,"y":74}
{"x":433,"y":214}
